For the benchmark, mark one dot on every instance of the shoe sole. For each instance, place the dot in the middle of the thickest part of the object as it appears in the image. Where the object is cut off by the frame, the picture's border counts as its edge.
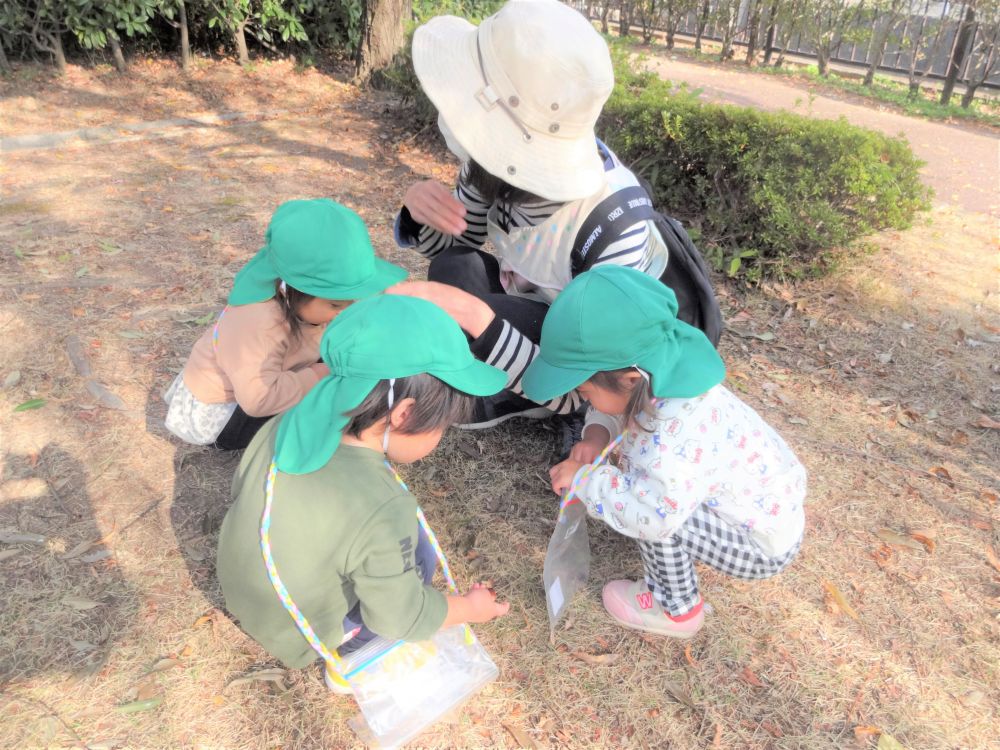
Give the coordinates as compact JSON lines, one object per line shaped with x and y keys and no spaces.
{"x":667,"y":633}
{"x":540,"y":413}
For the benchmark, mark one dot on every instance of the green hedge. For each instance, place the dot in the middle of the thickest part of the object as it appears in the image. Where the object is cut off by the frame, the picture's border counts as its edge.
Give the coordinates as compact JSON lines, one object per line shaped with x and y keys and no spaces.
{"x":763,"y":194}
{"x":767,"y":193}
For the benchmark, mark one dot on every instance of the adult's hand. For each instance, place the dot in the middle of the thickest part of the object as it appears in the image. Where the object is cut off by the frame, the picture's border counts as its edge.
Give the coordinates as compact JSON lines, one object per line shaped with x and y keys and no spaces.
{"x":431,"y":203}
{"x":471,"y":313}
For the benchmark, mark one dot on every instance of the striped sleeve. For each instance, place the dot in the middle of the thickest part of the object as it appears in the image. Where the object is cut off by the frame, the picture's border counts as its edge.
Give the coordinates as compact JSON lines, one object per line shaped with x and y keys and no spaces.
{"x":630,"y":249}
{"x":429,"y":241}
{"x":512,"y":353}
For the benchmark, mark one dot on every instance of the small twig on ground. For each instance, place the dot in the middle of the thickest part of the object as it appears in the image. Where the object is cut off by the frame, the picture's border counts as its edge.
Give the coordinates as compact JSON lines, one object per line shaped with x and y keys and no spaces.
{"x":139,"y":517}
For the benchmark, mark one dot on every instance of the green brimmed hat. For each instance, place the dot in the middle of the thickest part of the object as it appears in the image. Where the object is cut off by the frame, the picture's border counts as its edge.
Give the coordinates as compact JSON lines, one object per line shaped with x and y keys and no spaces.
{"x":388,"y":336}
{"x":615,"y":317}
{"x":318,"y":247}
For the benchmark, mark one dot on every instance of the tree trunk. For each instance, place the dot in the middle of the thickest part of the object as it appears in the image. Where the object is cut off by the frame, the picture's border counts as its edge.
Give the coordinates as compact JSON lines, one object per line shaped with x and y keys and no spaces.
{"x":823,"y":58}
{"x":4,"y":62}
{"x":182,"y":21}
{"x":239,"y":35}
{"x":605,"y":10}
{"x":753,"y":29}
{"x":624,"y":18}
{"x":57,"y":53}
{"x":958,"y":54}
{"x":382,"y":35}
{"x":771,"y":27}
{"x":116,"y":53}
{"x":702,"y":23}
{"x":969,"y":95}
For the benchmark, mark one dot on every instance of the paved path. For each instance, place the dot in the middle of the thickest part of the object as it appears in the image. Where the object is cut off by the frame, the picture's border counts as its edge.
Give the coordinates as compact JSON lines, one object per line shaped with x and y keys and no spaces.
{"x":963,"y":162}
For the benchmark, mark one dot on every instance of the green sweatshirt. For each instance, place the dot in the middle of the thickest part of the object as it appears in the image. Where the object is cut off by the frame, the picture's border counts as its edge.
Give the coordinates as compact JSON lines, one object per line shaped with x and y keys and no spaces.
{"x":342,"y":534}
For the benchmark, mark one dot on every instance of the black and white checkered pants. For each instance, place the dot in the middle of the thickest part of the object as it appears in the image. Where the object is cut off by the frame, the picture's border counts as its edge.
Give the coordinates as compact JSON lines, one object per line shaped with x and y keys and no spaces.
{"x":669,"y":564}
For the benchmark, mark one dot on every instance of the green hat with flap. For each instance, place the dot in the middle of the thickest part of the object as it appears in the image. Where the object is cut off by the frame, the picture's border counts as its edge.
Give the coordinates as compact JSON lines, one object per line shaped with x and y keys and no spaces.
{"x":613,"y":317}
{"x":318,"y":247}
{"x":382,"y":337}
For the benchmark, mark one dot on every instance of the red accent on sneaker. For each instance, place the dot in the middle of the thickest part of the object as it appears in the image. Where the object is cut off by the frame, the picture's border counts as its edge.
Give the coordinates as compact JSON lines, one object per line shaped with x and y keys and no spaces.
{"x":645,"y":600}
{"x":687,"y":615}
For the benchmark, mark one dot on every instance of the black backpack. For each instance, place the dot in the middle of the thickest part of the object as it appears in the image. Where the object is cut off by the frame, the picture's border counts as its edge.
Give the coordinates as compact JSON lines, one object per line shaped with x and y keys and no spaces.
{"x":686,"y":272}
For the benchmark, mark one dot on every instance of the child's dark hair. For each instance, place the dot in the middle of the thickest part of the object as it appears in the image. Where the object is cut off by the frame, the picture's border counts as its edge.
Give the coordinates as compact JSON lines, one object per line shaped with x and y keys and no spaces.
{"x":290,"y":300}
{"x":642,"y":393}
{"x":436,"y":405}
{"x":491,"y":188}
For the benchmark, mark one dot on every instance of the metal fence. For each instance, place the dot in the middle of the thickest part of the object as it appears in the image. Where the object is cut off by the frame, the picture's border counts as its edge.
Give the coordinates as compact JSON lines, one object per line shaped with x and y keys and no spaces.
{"x":897,"y":58}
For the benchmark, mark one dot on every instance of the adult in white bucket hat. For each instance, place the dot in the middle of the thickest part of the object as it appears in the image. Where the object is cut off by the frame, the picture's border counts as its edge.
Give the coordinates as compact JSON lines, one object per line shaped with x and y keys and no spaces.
{"x":517,"y":99}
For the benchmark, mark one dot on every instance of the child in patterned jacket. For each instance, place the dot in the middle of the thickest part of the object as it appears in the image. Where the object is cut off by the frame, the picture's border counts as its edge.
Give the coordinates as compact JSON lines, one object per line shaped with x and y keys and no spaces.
{"x":698,"y":476}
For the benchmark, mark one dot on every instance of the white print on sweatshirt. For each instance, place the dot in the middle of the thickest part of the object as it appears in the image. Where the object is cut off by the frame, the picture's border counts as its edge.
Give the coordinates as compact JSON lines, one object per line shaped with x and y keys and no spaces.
{"x":711,"y":449}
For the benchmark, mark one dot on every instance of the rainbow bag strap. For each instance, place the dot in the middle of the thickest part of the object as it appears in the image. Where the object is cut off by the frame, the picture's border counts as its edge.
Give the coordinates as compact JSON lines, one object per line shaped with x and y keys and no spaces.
{"x":570,"y":497}
{"x":301,"y":622}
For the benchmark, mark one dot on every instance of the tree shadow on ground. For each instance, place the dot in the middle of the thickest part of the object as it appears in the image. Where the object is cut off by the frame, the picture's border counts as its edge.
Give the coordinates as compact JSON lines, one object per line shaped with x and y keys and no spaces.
{"x":62,"y":585}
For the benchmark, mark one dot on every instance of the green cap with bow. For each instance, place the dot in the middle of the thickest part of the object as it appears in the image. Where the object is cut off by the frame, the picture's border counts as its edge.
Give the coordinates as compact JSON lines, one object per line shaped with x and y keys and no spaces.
{"x":388,"y":336}
{"x":318,"y":247}
{"x":614,"y":317}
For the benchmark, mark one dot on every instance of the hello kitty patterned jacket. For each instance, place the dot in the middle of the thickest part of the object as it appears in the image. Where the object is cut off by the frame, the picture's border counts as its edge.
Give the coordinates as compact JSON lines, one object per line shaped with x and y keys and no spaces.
{"x":712,"y":449}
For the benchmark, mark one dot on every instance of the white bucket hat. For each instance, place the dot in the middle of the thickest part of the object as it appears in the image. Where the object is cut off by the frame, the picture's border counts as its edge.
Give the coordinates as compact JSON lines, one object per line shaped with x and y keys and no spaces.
{"x":521,"y":93}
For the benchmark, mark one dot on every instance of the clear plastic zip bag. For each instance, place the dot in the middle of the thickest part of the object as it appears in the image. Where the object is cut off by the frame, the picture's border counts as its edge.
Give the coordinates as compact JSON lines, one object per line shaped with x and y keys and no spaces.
{"x":567,"y":562}
{"x":567,"y":558}
{"x":402,"y":688}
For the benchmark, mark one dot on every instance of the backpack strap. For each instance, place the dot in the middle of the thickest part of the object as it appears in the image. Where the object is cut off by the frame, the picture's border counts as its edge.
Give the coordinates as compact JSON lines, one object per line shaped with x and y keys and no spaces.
{"x":606,"y":222}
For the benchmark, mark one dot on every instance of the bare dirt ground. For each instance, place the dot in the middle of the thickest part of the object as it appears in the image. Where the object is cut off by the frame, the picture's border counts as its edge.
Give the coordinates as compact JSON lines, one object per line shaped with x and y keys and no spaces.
{"x":883,"y":377}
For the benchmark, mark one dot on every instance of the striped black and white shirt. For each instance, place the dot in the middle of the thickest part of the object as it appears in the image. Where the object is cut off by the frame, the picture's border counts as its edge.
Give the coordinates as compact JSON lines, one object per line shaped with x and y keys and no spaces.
{"x":502,"y":345}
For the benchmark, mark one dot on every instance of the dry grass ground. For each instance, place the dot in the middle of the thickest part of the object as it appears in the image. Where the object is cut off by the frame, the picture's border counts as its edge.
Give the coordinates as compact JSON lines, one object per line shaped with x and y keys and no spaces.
{"x":877,"y":376}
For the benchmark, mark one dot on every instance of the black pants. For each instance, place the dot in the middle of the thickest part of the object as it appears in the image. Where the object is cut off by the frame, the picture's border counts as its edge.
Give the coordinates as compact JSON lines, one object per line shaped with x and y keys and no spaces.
{"x":239,"y":431}
{"x":478,"y":273}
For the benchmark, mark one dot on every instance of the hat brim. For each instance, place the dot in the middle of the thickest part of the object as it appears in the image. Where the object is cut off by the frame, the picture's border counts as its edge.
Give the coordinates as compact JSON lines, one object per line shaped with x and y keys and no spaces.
{"x":477,"y":378}
{"x":543,"y":381}
{"x":447,"y":65}
{"x":255,"y":282}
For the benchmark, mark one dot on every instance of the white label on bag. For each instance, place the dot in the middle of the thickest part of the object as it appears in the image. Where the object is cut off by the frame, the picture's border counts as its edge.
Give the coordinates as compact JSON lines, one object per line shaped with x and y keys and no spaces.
{"x":556,"y":595}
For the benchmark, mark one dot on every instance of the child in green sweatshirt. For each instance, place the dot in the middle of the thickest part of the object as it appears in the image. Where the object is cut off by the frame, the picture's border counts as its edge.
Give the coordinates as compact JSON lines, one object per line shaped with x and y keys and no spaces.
{"x":321,"y":548}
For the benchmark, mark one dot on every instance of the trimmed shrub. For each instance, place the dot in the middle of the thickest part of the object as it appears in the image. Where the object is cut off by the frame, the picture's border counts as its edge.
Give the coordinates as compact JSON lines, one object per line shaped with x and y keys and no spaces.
{"x":767,"y":193}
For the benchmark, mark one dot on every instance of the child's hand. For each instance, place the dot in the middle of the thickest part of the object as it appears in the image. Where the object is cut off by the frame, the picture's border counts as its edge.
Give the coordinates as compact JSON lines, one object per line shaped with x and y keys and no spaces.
{"x":431,"y":203}
{"x":483,"y":605}
{"x":562,"y":475}
{"x":586,"y":451}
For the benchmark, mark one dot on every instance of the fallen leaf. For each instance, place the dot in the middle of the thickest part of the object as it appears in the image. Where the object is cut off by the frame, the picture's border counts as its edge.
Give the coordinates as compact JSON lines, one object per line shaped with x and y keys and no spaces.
{"x":771,"y":728}
{"x":750,"y":678}
{"x":12,"y":379}
{"x":888,"y":742}
{"x":863,"y":732}
{"x":35,"y":403}
{"x":943,"y":474}
{"x":991,"y":555}
{"x":986,"y":423}
{"x":959,"y":439}
{"x":98,"y":555}
{"x":147,"y":689}
{"x":21,"y":537}
{"x":79,"y":602}
{"x":925,"y":539}
{"x":164,"y":664}
{"x":520,"y":736}
{"x":717,"y":740}
{"x":137,"y":706}
{"x":687,"y":656}
{"x":989,"y":496}
{"x":839,"y":599}
{"x":680,"y":695}
{"x":274,"y":675}
{"x":596,"y":659}
{"x":900,"y":540}
{"x":186,"y":651}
